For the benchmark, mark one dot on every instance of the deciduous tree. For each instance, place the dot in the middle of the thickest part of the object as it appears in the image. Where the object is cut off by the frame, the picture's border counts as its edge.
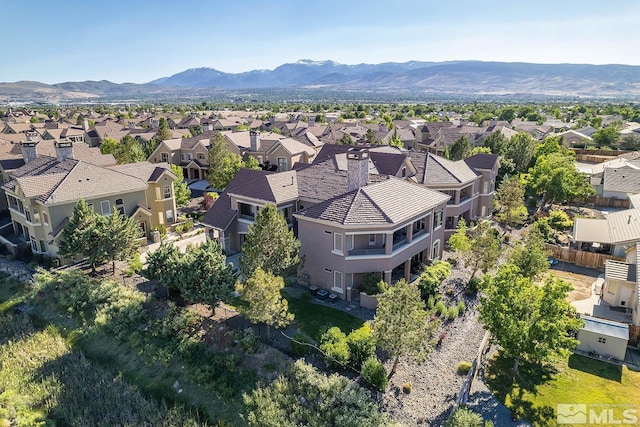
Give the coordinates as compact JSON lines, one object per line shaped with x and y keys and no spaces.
{"x":520,"y":150}
{"x":269,"y":244}
{"x":401,"y":326}
{"x":479,"y":246}
{"x":530,"y":256}
{"x":528,"y":321}
{"x":265,"y":304}
{"x":556,"y":179}
{"x":459,"y":149}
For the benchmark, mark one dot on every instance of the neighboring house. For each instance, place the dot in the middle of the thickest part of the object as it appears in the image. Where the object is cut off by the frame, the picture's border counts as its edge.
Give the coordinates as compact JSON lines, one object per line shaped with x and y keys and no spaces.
{"x":42,"y":193}
{"x":573,"y":138}
{"x":618,"y":178}
{"x":612,"y":235}
{"x":280,"y":152}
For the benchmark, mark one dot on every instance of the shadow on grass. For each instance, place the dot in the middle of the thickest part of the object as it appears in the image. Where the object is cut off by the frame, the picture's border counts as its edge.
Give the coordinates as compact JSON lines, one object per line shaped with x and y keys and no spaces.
{"x":511,"y":390}
{"x":595,"y":367}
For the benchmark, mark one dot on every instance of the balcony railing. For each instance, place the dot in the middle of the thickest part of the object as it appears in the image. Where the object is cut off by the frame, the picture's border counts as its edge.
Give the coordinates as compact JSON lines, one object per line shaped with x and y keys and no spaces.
{"x":247,"y":217}
{"x":399,"y":244}
{"x":362,"y":252}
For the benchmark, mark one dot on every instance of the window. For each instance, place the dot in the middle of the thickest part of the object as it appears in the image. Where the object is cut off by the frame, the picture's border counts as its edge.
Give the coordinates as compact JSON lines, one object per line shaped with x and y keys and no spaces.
{"x":166,"y":191}
{"x":337,"y":281}
{"x":283,"y":165}
{"x":404,"y":172}
{"x":105,"y":207}
{"x":120,"y":206}
{"x":350,"y":239}
{"x":200,"y":156}
{"x":34,"y":246}
{"x":43,"y":246}
{"x":183,"y":156}
{"x":485,"y":187}
{"x":27,"y":213}
{"x":169,"y":215}
{"x":165,"y":157}
{"x":327,"y":270}
{"x":437,"y":219}
{"x":337,"y":242}
{"x":45,"y":218}
{"x":189,"y":156}
{"x":419,"y":225}
{"x":435,"y":254}
{"x":602,"y":340}
{"x":372,"y":239}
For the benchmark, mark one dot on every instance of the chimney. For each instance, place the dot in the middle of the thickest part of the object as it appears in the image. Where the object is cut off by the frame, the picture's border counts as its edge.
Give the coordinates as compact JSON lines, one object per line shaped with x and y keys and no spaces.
{"x":29,"y":147}
{"x":85,"y":124}
{"x":382,"y":127}
{"x":254,"y":138}
{"x":64,"y":150}
{"x":357,"y":168}
{"x":132,"y":124}
{"x":154,"y":122}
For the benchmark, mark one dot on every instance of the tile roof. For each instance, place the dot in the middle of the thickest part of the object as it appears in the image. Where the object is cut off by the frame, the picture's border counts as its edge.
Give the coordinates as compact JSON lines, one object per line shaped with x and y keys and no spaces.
{"x":482,"y":161}
{"x":143,"y":170}
{"x":268,"y":186}
{"x":377,"y":203}
{"x":438,"y":170}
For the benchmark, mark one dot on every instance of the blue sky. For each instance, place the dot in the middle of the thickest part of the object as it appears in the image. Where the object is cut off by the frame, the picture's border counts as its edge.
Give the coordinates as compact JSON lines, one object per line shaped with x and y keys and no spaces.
{"x":141,"y":40}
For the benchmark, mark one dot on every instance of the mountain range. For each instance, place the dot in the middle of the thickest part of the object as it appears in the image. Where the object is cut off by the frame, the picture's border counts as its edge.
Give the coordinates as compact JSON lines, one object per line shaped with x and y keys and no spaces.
{"x":464,"y":78}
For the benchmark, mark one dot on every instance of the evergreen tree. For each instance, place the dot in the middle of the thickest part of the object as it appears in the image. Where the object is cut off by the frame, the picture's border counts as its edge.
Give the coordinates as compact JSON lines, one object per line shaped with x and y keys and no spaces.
{"x":401,"y":326}
{"x":119,"y":238}
{"x":181,"y":191}
{"x":163,"y":130}
{"x":80,"y":234}
{"x":269,"y":244}
{"x":460,"y":149}
{"x":162,"y":263}
{"x":265,"y":304}
{"x":509,"y":202}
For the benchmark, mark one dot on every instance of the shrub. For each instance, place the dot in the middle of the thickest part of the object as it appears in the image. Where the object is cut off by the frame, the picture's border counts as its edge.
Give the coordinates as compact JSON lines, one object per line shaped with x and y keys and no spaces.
{"x":298,"y":345}
{"x":463,"y":368}
{"x":432,"y":276}
{"x":463,"y":417}
{"x":371,"y":285}
{"x":452,"y":312}
{"x":441,"y":309}
{"x":407,"y":387}
{"x":135,"y":265}
{"x":431,"y":302}
{"x":162,"y":229}
{"x":361,"y":345}
{"x":472,"y":286}
{"x":374,"y":373}
{"x":247,"y":340}
{"x":559,"y":220}
{"x":333,"y":344}
{"x":461,"y":307}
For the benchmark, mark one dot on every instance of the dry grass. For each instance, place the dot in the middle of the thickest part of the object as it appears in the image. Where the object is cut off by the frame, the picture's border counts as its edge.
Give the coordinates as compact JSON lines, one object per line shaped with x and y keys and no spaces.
{"x":581,"y":284}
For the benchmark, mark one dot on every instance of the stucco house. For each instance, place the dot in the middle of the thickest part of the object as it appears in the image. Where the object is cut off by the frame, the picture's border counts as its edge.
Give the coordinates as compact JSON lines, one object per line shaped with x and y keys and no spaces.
{"x":42,"y":193}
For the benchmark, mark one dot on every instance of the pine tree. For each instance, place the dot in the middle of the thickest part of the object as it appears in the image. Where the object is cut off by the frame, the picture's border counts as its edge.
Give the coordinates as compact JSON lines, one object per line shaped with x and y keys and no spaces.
{"x":269,"y":244}
{"x":119,"y":238}
{"x":80,"y":234}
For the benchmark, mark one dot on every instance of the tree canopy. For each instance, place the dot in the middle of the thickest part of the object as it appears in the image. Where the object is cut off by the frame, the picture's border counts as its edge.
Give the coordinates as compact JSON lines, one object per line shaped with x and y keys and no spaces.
{"x":181,"y":190}
{"x":459,"y":150}
{"x":479,"y":246}
{"x":224,"y":164}
{"x":269,"y":244}
{"x":164,"y":133}
{"x":509,"y":202}
{"x":530,"y":321}
{"x":401,"y":326}
{"x":556,"y":179}
{"x":530,"y":256}
{"x":520,"y":150}
{"x":265,"y":304}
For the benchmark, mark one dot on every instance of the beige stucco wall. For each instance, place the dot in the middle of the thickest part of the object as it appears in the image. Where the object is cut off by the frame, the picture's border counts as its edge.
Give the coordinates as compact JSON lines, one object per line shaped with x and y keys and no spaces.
{"x":617,"y":291}
{"x":616,"y":347}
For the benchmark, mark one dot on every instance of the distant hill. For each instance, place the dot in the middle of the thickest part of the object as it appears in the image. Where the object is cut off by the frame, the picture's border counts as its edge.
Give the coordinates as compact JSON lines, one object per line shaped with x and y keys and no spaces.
{"x":464,"y":78}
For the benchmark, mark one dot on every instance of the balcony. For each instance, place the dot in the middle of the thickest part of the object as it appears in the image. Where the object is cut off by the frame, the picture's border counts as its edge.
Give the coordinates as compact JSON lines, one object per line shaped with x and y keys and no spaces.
{"x":365,"y":252}
{"x":247,"y":217}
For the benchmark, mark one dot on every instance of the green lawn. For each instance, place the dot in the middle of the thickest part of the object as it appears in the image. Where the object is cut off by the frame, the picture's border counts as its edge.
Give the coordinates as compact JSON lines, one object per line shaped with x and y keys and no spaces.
{"x":12,"y":293}
{"x":578,"y":380}
{"x":313,"y":319}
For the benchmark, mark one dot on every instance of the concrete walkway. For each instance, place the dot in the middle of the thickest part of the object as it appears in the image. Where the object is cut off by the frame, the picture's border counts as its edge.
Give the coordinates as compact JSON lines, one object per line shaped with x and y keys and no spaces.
{"x":181,"y":244}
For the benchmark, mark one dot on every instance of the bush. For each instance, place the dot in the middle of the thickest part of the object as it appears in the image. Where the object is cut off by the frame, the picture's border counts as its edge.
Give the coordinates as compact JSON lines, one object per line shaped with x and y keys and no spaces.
{"x":463,"y":417}
{"x":452,"y":312}
{"x":441,"y":309}
{"x":162,"y":229}
{"x":432,"y":276}
{"x":298,"y":346}
{"x":407,"y":387}
{"x":374,"y":373}
{"x":559,"y":220}
{"x":472,"y":286}
{"x":135,"y":265}
{"x":463,"y":368}
{"x":247,"y":340}
{"x":461,"y":307}
{"x":431,"y":302}
{"x":333,"y":344}
{"x":372,"y":285}
{"x":361,"y":345}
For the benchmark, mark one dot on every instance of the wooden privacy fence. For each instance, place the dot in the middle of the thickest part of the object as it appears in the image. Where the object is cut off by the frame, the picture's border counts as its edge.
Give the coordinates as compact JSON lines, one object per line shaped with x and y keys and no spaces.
{"x":580,"y":258}
{"x":608,"y":202}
